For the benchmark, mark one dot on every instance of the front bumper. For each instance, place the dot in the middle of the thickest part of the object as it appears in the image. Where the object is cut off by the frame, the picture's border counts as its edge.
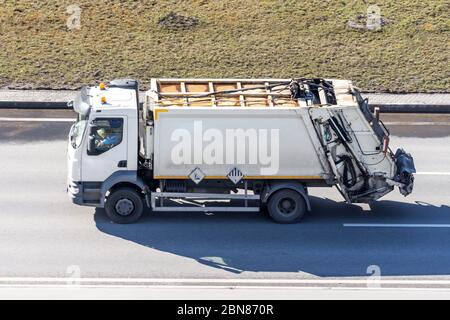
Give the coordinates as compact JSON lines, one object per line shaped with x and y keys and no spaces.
{"x":74,"y":192}
{"x":85,"y":193}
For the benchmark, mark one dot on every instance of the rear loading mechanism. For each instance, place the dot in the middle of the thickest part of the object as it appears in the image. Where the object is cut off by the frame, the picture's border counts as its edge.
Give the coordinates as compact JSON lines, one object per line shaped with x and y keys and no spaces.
{"x":405,"y":170}
{"x":359,"y":178}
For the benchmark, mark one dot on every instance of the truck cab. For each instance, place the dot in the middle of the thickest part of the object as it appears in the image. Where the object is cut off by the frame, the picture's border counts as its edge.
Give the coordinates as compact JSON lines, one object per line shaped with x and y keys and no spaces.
{"x":103,"y":143}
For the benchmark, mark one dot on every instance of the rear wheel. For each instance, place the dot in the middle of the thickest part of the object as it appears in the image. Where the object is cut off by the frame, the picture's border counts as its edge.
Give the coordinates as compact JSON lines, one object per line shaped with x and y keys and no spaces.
{"x":124,"y":206}
{"x":286,"y":206}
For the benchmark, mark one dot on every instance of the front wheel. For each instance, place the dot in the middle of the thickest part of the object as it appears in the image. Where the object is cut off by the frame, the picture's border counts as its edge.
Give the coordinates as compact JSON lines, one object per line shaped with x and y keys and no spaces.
{"x":124,"y":206}
{"x":286,"y":206}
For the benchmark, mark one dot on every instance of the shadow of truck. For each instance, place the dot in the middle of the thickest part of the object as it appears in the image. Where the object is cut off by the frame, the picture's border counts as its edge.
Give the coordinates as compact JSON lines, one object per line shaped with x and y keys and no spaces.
{"x":320,"y":245}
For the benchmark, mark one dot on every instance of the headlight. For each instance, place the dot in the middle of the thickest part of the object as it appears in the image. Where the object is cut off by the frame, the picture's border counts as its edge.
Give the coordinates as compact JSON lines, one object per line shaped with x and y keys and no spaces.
{"x":74,"y":189}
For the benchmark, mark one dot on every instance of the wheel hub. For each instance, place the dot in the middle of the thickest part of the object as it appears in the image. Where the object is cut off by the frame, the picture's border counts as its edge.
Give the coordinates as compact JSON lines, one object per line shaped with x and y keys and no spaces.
{"x":286,"y":205}
{"x":124,"y":207}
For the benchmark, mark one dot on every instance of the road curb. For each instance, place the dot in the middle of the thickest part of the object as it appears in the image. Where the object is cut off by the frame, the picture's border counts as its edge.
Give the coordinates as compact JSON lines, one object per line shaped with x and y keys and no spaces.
{"x":411,"y":108}
{"x":388,"y":103}
{"x":33,"y":105}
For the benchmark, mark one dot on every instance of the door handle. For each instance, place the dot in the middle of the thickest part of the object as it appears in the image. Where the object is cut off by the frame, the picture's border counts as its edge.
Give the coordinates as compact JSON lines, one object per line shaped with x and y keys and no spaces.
{"x":122,"y":164}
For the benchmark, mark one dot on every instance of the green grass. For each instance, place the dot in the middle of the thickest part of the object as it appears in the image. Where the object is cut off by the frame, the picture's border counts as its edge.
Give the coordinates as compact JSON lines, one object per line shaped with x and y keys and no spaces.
{"x":234,"y":38}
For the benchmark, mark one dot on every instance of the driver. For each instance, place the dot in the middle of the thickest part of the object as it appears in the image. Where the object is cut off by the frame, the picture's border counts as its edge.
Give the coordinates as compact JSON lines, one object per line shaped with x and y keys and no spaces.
{"x":105,"y":139}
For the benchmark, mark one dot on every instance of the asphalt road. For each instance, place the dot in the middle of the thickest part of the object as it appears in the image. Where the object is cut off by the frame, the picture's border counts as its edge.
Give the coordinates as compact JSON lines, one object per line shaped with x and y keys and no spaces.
{"x":42,"y":234}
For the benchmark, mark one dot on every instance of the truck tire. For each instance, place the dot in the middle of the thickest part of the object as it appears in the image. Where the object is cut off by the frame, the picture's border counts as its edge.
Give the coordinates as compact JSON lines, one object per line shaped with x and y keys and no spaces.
{"x":124,"y":206}
{"x":286,"y":206}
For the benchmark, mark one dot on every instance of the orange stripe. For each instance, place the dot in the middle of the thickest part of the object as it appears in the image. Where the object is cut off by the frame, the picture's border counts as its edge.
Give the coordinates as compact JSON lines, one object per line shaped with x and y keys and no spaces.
{"x":157,"y":111}
{"x":284,"y":177}
{"x":246,"y":177}
{"x":171,"y":177}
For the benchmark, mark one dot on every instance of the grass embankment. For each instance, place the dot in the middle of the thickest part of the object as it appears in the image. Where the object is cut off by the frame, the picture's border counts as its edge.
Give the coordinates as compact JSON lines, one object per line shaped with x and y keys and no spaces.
{"x":233,"y":38}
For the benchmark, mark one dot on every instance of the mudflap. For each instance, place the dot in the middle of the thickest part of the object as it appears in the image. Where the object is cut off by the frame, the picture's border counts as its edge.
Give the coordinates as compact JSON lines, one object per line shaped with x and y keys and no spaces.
{"x":405,"y":171}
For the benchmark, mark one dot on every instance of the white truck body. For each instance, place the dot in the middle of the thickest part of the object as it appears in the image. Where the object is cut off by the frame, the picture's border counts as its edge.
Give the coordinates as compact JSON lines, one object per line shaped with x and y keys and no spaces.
{"x":262,"y":143}
{"x":207,"y":138}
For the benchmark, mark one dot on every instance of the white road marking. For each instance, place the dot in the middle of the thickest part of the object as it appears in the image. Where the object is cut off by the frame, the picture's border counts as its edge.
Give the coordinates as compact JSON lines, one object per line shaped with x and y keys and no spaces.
{"x":433,"y":173}
{"x":394,"y":225}
{"x":211,"y":282}
{"x":2,"y":119}
{"x":393,"y":123}
{"x":222,"y":293}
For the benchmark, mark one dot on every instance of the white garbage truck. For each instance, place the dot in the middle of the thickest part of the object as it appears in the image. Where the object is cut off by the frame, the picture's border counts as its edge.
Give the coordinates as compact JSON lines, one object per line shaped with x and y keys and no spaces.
{"x":234,"y":145}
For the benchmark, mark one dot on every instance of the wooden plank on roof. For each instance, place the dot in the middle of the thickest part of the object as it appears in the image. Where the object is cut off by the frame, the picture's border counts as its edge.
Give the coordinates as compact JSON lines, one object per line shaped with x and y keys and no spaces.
{"x":226,"y":100}
{"x":215,"y":80}
{"x":213,"y":97}
{"x":269,"y":96}
{"x":234,"y":94}
{"x":184,"y":91}
{"x":241,"y":96}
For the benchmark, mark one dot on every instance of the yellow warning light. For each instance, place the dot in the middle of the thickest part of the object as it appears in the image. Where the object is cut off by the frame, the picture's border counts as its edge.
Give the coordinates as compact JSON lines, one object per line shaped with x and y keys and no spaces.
{"x":102,"y":86}
{"x":103,"y":99}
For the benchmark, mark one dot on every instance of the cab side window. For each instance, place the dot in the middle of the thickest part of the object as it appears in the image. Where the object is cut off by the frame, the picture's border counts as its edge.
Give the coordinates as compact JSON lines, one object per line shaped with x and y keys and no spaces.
{"x":105,"y":135}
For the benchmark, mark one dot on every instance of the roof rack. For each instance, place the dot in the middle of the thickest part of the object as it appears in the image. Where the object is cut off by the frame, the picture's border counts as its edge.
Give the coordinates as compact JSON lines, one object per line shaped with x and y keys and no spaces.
{"x":222,"y":93}
{"x":249,"y":93}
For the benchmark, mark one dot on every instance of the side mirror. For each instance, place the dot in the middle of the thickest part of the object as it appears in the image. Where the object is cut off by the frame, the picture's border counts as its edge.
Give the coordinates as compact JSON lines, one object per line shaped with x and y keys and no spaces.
{"x":70,"y":136}
{"x":91,"y":140}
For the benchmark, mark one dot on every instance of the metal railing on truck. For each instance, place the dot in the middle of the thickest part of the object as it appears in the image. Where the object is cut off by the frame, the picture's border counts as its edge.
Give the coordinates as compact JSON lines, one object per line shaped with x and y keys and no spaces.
{"x":223,"y":93}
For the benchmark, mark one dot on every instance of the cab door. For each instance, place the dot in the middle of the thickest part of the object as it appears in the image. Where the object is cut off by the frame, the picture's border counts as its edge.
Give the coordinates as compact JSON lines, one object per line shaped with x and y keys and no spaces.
{"x":106,"y":148}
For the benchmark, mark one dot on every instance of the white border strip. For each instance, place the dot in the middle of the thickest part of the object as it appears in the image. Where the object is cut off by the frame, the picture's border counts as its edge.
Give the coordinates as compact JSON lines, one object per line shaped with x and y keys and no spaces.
{"x":207,"y":282}
{"x":433,"y":173}
{"x":189,"y":288}
{"x":36,"y":119}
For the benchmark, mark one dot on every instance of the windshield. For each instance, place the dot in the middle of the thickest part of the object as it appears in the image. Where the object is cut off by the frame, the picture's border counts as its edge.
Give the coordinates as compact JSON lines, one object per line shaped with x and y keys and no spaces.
{"x":77,"y":132}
